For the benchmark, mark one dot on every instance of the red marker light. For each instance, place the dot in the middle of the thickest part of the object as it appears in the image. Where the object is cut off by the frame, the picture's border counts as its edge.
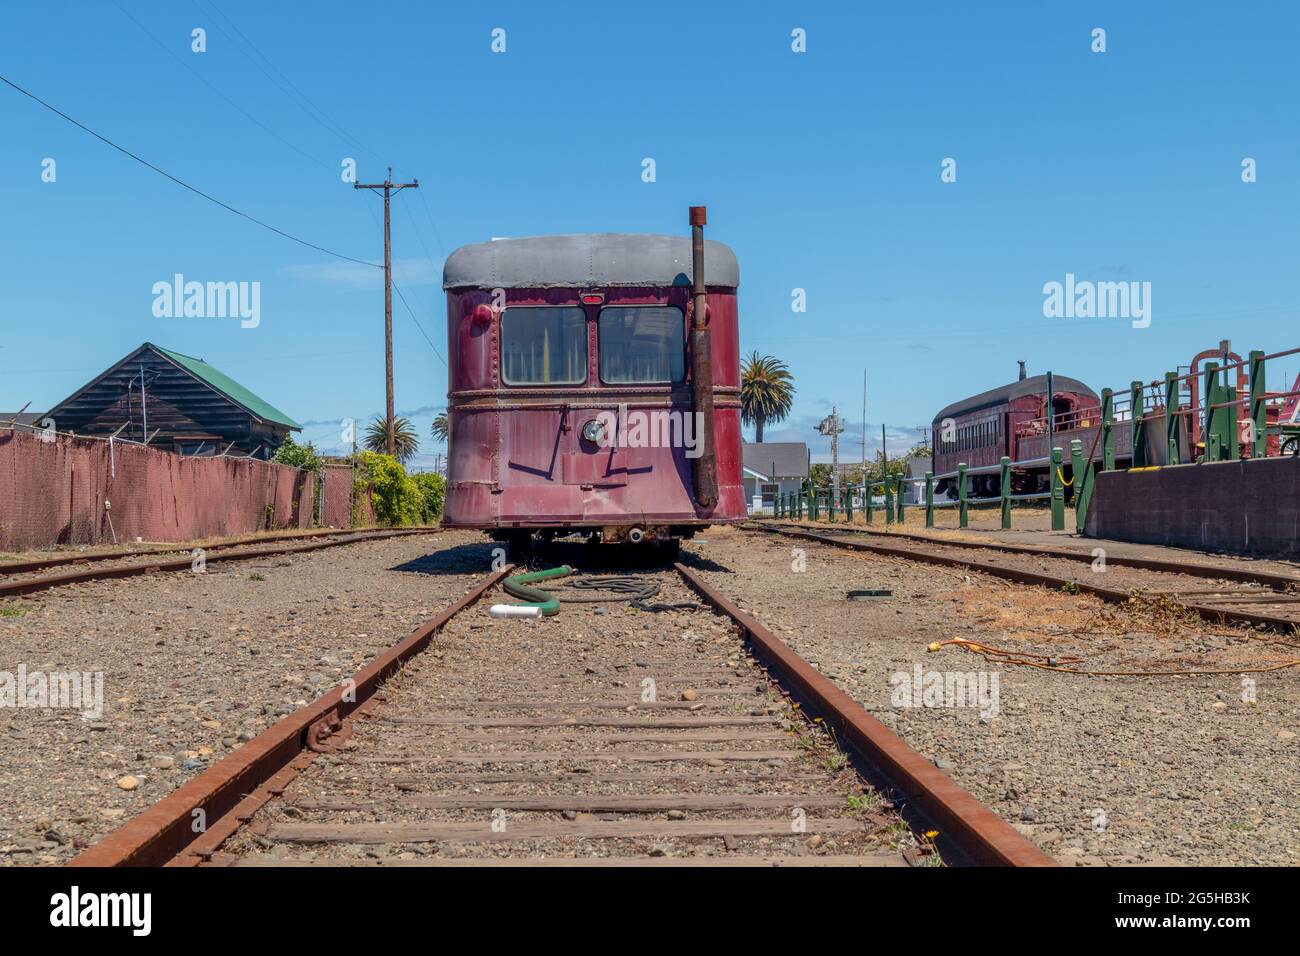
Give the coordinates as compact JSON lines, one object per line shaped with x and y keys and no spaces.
{"x":593,"y":298}
{"x":482,"y":314}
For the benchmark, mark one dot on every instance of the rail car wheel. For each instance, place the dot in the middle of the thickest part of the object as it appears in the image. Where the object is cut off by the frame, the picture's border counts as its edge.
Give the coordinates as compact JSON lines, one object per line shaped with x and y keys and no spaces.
{"x":668,"y":550}
{"x":519,"y":544}
{"x":1291,"y":446}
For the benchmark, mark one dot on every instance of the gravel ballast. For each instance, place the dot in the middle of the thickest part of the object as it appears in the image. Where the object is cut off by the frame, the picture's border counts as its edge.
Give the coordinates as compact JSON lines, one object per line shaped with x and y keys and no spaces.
{"x":193,"y":665}
{"x":1095,"y":770}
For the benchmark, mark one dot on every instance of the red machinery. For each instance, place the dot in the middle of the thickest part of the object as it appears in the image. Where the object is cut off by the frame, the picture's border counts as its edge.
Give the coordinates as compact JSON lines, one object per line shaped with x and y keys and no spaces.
{"x":594,"y":386}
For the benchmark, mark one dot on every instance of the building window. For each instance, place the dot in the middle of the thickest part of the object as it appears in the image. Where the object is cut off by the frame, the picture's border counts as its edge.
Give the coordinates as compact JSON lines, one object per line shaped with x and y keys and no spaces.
{"x":768,"y":492}
{"x":544,"y":345}
{"x":642,"y":344}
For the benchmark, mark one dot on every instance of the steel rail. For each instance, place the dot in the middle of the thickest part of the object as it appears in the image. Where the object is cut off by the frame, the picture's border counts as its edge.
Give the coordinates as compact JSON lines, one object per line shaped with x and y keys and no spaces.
{"x":979,"y":832}
{"x":58,"y":561}
{"x":1215,"y":615}
{"x":229,"y":793}
{"x":1272,"y":579}
{"x":32,"y":585}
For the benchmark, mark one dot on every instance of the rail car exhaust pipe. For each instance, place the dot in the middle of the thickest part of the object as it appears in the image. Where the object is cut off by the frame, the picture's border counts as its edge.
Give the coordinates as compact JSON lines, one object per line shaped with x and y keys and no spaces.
{"x":704,"y":468}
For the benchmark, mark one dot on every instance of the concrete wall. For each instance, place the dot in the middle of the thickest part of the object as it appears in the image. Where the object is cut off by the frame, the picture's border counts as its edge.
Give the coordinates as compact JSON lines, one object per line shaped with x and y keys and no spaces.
{"x":1247,"y":507}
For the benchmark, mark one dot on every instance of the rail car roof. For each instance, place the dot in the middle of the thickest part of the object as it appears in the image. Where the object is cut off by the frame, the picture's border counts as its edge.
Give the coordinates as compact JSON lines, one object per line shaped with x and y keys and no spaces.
{"x":1034,"y":385}
{"x":590,"y":259}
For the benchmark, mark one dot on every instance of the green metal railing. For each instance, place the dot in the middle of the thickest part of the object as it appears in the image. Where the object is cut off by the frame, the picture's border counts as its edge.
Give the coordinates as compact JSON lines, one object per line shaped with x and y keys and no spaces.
{"x":1233,"y":426}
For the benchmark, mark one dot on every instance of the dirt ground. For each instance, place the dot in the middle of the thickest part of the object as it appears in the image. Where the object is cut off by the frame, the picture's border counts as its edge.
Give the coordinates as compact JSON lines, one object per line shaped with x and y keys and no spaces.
{"x":193,"y":665}
{"x":1096,"y":770}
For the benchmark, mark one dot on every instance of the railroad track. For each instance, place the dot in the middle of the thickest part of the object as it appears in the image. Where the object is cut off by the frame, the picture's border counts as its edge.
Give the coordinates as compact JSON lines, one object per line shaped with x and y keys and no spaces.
{"x":1262,"y":599}
{"x":16,"y":578}
{"x":606,"y":736}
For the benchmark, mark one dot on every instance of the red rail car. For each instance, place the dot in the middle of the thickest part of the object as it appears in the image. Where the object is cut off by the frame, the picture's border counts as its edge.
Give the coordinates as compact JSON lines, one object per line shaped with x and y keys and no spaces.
{"x":1008,"y":421}
{"x":584,"y":394}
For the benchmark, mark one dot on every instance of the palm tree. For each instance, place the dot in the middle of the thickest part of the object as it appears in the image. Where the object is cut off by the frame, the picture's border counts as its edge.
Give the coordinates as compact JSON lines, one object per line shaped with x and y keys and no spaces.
{"x":766,"y":392}
{"x":405,"y":442}
{"x":442,"y":432}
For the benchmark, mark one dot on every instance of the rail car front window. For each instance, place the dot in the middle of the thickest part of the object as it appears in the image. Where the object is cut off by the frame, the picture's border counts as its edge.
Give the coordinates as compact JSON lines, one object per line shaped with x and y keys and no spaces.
{"x":544,"y":345}
{"x":642,"y":344}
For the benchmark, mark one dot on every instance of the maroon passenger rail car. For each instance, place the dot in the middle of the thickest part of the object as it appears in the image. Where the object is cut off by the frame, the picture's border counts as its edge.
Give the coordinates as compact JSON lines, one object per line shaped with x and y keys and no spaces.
{"x":1007,"y":421}
{"x":584,"y":396}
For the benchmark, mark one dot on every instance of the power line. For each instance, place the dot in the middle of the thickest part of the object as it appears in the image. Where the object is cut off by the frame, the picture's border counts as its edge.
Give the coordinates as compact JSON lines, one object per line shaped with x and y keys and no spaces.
{"x":204,"y":80}
{"x":300,"y":99}
{"x":418,"y":325}
{"x":180,"y":182}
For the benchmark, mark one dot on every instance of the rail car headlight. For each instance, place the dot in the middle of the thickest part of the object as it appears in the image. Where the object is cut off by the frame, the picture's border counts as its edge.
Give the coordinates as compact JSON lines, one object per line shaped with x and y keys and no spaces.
{"x":594,"y":431}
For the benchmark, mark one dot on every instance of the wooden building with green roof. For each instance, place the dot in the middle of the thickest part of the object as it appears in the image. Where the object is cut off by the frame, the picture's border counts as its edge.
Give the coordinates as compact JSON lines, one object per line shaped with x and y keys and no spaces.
{"x":176,"y":403}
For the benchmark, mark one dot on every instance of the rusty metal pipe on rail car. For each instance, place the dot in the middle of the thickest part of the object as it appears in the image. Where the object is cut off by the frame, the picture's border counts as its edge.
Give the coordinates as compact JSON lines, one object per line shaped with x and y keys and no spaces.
{"x":704,"y":468}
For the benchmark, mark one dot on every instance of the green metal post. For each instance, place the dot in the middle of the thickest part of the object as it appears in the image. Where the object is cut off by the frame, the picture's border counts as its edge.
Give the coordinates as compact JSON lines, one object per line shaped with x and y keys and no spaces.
{"x":1258,"y":410}
{"x":868,"y":502}
{"x":1136,"y":412}
{"x":901,"y":488}
{"x":1231,"y":420}
{"x":889,"y":501}
{"x":1107,"y":429}
{"x":1051,"y":411}
{"x":1006,"y":492}
{"x":929,"y":499}
{"x":1076,"y":469}
{"x":1058,"y":491}
{"x":1083,"y":481}
{"x":1213,"y":433}
{"x":963,"y":511}
{"x":830,"y":504}
{"x":1171,"y":418}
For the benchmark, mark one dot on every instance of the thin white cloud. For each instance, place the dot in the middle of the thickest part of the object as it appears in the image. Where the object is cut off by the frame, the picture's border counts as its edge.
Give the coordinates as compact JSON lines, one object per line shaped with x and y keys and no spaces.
{"x":406,"y":273}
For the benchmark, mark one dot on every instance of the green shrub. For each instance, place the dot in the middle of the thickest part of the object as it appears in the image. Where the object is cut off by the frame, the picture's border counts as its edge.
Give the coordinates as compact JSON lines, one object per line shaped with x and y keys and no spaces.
{"x":394,"y":495}
{"x":433,"y":490}
{"x":298,"y":456}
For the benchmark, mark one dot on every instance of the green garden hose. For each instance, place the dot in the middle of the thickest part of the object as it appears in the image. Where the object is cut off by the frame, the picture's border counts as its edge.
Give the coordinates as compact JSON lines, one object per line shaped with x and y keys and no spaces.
{"x":517,"y":586}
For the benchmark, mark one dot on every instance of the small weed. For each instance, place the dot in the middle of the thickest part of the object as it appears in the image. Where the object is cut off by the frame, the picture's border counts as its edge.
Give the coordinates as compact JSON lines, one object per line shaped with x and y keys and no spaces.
{"x":835,"y":762}
{"x":257,"y":577}
{"x":13,"y":610}
{"x":863,"y":802}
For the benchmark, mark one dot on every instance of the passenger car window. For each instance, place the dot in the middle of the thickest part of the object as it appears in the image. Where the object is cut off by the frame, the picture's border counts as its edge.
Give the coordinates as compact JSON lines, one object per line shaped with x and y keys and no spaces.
{"x":544,"y":345}
{"x":642,"y":344}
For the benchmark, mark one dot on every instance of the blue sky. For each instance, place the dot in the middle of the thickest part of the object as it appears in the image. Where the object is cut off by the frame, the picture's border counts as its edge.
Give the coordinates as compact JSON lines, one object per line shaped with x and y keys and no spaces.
{"x":821,"y":169}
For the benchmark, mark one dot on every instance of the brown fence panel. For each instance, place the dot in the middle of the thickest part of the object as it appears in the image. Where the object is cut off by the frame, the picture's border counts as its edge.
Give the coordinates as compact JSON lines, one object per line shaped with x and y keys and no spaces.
{"x":337,"y":483}
{"x":84,"y":491}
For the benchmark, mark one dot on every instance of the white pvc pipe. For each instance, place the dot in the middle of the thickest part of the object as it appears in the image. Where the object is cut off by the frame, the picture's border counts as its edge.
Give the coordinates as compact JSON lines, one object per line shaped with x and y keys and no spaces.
{"x":515,"y":610}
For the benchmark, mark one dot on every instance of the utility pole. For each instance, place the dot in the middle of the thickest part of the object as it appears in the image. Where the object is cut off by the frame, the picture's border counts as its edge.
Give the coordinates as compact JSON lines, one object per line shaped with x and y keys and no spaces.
{"x":864,"y":424}
{"x":389,"y":187}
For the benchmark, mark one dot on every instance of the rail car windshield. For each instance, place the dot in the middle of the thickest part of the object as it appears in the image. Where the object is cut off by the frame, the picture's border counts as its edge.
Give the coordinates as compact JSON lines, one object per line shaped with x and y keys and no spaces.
{"x":544,"y":345}
{"x":642,"y":344}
